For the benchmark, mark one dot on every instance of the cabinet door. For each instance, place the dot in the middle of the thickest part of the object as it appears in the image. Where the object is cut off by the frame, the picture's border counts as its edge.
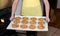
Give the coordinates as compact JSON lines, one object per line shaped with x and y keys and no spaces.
{"x":56,"y":13}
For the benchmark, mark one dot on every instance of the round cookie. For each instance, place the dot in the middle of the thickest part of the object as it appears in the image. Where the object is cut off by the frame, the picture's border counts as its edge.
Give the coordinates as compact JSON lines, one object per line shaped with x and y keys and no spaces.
{"x":32,"y":26}
{"x":41,"y":19}
{"x":33,"y":19}
{"x":24,"y":22}
{"x":23,"y":26}
{"x":41,"y":23}
{"x":17,"y":20}
{"x":40,"y":27}
{"x":25,"y":18}
{"x":32,"y":22}
{"x":15,"y":25}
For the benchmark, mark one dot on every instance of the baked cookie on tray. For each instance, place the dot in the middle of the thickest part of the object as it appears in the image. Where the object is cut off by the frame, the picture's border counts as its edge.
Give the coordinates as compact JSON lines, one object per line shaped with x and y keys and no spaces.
{"x":17,"y":20}
{"x":40,"y":27}
{"x":32,"y":22}
{"x":32,"y":26}
{"x":23,"y":26}
{"x":33,"y":18}
{"x":15,"y":25}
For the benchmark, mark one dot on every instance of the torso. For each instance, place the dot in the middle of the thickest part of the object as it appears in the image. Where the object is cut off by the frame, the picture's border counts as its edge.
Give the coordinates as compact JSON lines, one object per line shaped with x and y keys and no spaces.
{"x":31,"y":8}
{"x":5,"y":3}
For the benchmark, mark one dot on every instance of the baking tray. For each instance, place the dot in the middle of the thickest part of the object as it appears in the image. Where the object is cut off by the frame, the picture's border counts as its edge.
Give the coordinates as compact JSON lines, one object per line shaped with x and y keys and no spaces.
{"x":28,"y":29}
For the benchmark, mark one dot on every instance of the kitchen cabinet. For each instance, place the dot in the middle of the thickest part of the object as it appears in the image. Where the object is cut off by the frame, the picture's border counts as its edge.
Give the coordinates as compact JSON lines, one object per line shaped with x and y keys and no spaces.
{"x":56,"y":15}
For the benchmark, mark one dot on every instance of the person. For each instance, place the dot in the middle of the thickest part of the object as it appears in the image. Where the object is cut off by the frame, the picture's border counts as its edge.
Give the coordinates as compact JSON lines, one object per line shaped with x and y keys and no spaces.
{"x":31,"y":8}
{"x":5,"y":13}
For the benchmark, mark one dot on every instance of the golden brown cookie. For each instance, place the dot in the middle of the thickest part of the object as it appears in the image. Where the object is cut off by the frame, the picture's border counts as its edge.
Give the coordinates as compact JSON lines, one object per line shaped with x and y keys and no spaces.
{"x":23,"y":26}
{"x":33,"y":19}
{"x":41,"y":23}
{"x":17,"y":20}
{"x":32,"y":26}
{"x":24,"y":22}
{"x":41,"y":19}
{"x":40,"y":27}
{"x":32,"y":22}
{"x":25,"y":18}
{"x":15,"y":25}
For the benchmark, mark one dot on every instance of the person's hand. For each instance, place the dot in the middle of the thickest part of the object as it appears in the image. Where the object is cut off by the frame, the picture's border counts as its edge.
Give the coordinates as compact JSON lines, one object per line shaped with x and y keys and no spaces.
{"x":47,"y":19}
{"x":12,"y":17}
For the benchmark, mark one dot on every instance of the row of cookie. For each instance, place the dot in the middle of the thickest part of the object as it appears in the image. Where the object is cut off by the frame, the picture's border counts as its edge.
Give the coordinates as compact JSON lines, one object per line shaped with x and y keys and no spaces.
{"x":32,"y":22}
{"x":26,"y":18}
{"x":25,"y":26}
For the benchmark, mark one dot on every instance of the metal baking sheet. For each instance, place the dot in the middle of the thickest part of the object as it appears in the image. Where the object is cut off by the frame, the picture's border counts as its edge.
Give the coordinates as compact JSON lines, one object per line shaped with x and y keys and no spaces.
{"x":28,"y":29}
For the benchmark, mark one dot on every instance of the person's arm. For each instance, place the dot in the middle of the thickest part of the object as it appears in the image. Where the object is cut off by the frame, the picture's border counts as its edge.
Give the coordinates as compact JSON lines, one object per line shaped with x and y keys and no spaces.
{"x":14,"y":6}
{"x":47,"y":8}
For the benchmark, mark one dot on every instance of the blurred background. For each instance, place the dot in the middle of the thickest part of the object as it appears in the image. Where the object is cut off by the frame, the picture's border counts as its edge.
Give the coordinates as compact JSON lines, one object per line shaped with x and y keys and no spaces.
{"x":54,"y":25}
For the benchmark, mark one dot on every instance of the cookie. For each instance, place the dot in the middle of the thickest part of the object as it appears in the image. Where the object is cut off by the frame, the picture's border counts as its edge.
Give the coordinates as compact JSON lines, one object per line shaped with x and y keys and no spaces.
{"x":40,"y":27}
{"x":24,"y":22}
{"x":33,"y":19}
{"x":32,"y":26}
{"x":23,"y":26}
{"x":25,"y":18}
{"x":32,"y":22}
{"x":17,"y":20}
{"x":41,"y":19}
{"x":41,"y":23}
{"x":15,"y":25}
